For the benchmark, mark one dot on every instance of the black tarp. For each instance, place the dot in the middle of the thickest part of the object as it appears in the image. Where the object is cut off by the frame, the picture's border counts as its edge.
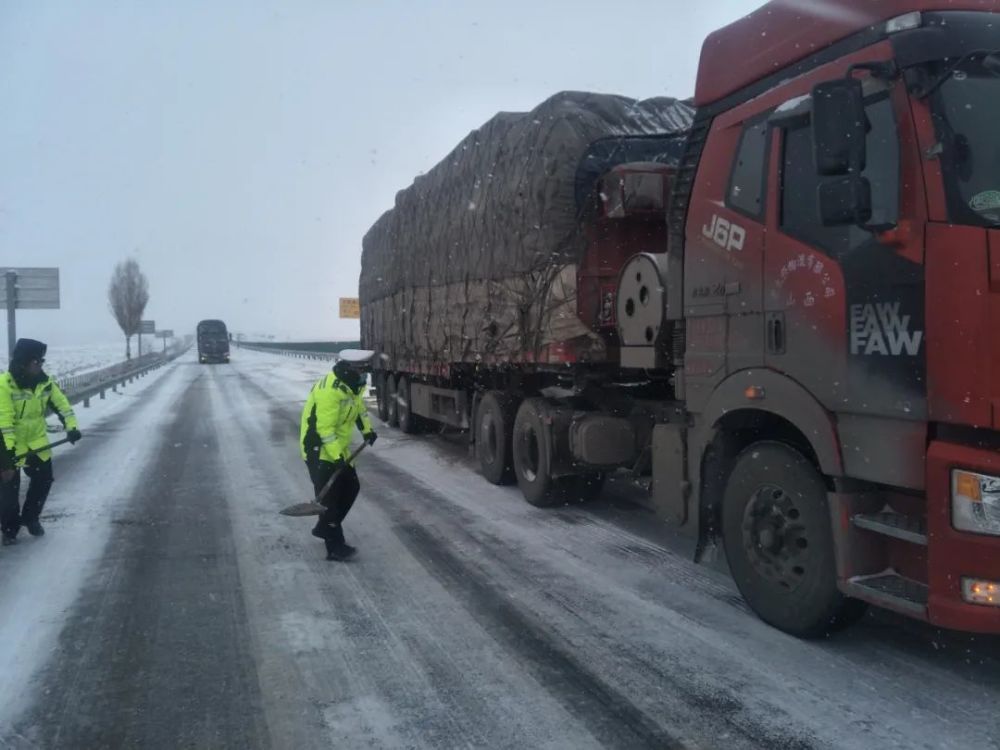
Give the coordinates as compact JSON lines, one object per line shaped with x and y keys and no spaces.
{"x":500,"y":215}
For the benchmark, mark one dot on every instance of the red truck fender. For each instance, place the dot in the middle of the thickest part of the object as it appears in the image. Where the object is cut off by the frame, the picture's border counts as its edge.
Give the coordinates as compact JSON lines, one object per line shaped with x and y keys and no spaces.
{"x":763,"y":390}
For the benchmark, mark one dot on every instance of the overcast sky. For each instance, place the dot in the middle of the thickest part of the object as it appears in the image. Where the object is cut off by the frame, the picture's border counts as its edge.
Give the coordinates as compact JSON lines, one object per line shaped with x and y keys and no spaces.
{"x":240,"y":150}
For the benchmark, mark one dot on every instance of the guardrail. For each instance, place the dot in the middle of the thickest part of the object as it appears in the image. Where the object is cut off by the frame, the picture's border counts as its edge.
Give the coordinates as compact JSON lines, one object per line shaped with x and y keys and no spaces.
{"x":299,"y":353}
{"x":98,"y":382}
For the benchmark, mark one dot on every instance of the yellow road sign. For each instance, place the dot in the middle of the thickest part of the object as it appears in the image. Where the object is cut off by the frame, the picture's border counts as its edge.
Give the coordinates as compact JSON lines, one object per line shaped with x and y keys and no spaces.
{"x":350,"y":307}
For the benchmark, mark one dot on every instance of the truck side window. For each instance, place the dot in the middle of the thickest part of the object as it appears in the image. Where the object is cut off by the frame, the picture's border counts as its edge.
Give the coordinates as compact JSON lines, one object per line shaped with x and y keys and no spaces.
{"x":799,"y":182}
{"x":746,"y":184}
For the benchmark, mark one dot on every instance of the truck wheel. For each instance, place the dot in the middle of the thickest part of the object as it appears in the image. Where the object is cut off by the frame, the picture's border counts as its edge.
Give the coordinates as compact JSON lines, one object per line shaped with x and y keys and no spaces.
{"x":409,"y":422}
{"x":494,"y":429}
{"x":381,"y":397}
{"x":391,"y":401}
{"x":532,"y":445}
{"x":779,"y":542}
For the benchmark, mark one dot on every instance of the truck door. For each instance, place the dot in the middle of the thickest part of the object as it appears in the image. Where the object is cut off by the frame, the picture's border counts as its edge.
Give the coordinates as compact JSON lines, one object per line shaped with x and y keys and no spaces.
{"x":724,"y":256}
{"x":843,"y":304}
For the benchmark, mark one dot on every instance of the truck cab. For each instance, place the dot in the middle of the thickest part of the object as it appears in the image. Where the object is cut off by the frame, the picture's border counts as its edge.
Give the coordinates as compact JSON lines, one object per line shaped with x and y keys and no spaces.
{"x":213,"y":342}
{"x":834,"y":280}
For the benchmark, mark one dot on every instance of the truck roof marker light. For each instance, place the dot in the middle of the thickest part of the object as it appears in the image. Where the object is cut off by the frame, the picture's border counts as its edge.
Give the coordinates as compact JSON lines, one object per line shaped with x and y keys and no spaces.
{"x":905,"y":22}
{"x":979,"y":591}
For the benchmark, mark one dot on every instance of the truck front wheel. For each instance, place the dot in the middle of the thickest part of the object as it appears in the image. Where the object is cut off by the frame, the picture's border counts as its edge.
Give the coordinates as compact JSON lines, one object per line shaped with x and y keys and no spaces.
{"x":779,"y":542}
{"x":494,"y":430}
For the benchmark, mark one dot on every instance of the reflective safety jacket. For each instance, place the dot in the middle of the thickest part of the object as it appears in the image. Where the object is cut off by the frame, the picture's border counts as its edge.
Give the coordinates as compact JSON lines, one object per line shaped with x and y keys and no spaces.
{"x":331,"y":413}
{"x":23,"y":411}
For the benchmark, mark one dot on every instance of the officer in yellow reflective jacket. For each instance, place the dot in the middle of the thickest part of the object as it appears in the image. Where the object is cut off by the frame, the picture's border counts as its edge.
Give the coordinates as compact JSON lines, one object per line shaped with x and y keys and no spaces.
{"x":334,"y":408}
{"x":26,"y":396}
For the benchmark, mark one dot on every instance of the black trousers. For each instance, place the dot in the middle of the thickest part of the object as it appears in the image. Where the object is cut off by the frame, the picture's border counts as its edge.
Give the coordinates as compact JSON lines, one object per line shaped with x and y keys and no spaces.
{"x":12,"y":517}
{"x":339,"y":499}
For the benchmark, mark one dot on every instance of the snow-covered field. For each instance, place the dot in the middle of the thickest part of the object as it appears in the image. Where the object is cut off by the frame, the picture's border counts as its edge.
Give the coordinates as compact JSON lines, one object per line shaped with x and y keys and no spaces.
{"x":64,"y":361}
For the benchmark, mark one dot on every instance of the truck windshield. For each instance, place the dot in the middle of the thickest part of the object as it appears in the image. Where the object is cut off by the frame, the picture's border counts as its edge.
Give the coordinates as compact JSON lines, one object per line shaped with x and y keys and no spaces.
{"x":966,"y":111}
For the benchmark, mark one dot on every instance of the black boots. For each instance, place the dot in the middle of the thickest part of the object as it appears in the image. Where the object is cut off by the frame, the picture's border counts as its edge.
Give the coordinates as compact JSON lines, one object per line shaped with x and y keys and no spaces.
{"x":35,"y":528}
{"x":9,"y":539}
{"x":339,"y":552}
{"x":333,"y":536}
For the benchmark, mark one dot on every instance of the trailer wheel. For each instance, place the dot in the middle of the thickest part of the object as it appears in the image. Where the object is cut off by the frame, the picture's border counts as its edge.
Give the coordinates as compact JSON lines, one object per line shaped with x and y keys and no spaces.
{"x":409,"y":422}
{"x":494,"y":430}
{"x":381,"y":397}
{"x":391,"y":401}
{"x":779,"y":542}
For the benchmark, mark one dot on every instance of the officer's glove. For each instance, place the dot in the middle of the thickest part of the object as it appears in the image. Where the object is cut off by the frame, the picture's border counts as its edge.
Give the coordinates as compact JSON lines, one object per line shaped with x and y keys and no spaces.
{"x":73,"y":435}
{"x":371,"y":437}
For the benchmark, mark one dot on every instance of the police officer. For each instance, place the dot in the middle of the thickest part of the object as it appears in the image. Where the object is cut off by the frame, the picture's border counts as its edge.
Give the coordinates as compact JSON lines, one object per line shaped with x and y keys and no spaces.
{"x":334,"y":408}
{"x":26,"y":396}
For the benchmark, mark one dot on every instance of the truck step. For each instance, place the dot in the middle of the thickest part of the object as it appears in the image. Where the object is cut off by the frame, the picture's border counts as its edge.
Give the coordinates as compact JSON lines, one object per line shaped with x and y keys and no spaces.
{"x":890,"y":590}
{"x":892,"y":524}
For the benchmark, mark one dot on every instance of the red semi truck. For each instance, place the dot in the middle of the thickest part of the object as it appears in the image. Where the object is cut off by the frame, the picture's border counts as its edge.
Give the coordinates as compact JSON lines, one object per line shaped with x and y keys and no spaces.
{"x":792,"y":324}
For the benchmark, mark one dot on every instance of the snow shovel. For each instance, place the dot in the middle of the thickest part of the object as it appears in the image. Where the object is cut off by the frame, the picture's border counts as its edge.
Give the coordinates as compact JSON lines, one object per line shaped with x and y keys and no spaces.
{"x":39,"y":450}
{"x":316,"y":507}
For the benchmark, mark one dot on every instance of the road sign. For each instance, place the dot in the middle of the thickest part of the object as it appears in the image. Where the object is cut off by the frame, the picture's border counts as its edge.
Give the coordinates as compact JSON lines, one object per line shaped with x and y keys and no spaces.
{"x":147,"y":326}
{"x":350,"y":307}
{"x":28,"y":289}
{"x":167,"y":334}
{"x":35,"y":288}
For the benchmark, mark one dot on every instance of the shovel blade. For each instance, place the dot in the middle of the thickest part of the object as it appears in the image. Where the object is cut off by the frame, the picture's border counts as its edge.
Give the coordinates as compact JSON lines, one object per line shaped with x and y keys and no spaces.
{"x":303,"y":509}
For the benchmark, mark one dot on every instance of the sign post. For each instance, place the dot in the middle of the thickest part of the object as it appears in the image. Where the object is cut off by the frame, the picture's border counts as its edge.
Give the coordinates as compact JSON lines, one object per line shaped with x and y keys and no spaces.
{"x":145,"y":326}
{"x":167,"y":334}
{"x":11,"y":293}
{"x":28,"y":289}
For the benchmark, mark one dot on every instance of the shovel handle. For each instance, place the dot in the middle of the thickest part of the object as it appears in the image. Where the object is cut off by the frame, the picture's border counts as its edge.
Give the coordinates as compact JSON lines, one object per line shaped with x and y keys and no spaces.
{"x":43,"y":448}
{"x":329,"y":483}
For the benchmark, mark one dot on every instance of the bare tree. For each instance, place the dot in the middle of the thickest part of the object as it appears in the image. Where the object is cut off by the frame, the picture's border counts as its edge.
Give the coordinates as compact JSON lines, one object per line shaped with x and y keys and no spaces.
{"x":128,"y":294}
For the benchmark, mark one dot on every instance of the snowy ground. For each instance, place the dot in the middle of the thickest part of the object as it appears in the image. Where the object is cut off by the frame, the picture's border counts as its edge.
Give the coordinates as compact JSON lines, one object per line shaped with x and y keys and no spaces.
{"x":63,"y":361}
{"x":171,"y":606}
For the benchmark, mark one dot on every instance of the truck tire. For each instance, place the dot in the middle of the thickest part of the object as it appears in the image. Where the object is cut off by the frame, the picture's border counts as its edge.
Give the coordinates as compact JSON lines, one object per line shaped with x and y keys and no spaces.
{"x":494,"y":429}
{"x":391,"y":401}
{"x":381,"y":397}
{"x":779,"y":542}
{"x":532,"y":446}
{"x":409,"y":422}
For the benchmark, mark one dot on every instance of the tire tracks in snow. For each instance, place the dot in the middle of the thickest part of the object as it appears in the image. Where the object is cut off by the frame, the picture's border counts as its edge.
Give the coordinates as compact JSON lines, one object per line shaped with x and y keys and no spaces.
{"x":355,"y":670}
{"x":164,"y":660}
{"x":610,"y":716}
{"x":669,"y":634}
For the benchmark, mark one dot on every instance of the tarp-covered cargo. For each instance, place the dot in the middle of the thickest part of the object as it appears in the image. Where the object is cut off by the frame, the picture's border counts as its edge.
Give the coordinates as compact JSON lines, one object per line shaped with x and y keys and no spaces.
{"x":477,"y":260}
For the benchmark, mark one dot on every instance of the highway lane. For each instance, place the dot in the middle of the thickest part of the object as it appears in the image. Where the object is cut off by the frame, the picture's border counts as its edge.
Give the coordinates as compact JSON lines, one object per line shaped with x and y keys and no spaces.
{"x":202,"y":618}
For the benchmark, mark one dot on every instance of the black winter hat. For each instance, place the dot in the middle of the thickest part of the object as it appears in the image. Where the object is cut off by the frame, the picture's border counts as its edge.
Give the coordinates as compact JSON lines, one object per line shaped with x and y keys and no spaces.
{"x":349,"y":375}
{"x":26,"y":350}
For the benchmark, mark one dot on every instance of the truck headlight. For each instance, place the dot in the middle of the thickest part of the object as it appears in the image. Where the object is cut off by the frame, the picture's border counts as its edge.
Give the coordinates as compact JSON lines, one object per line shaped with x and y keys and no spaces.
{"x":975,"y":502}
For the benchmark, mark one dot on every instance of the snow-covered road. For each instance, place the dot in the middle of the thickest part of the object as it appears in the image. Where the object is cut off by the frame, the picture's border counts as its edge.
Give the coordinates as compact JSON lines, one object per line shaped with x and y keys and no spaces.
{"x":171,"y":606}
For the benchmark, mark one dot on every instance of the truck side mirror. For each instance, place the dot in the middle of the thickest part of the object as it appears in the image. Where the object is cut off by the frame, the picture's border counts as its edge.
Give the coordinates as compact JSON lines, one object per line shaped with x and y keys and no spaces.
{"x":839,"y":126}
{"x":845,"y":200}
